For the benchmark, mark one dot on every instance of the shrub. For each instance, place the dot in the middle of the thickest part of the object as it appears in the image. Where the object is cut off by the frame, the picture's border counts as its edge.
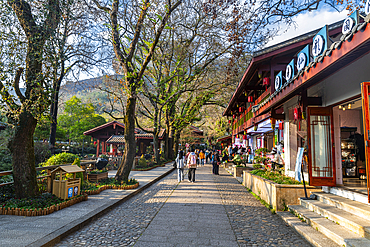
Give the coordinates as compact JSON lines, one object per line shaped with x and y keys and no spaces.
{"x":257,"y":166}
{"x":275,"y":177}
{"x":42,"y":152}
{"x":142,"y":162}
{"x":60,"y":159}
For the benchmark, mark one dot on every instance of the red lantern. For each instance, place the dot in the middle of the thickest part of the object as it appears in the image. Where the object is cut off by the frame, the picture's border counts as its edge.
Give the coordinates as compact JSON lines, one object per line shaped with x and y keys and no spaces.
{"x":94,"y":142}
{"x":244,"y":137}
{"x":234,"y":116}
{"x":240,"y":109}
{"x":229,"y":121}
{"x":297,"y":113}
{"x":250,"y":99}
{"x":266,"y":81}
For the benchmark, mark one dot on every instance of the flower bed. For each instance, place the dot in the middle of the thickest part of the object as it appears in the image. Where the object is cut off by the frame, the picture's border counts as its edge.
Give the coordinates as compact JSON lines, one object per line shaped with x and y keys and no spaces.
{"x":275,"y":177}
{"x":278,"y":196}
{"x":109,"y":183}
{"x":42,"y":205}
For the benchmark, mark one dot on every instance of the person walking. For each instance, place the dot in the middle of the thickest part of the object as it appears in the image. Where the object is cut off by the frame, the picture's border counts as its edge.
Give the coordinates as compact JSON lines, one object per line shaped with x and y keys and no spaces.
{"x":202,"y":157}
{"x":192,"y":164}
{"x":207,"y":155}
{"x":180,"y":166}
{"x":215,"y":162}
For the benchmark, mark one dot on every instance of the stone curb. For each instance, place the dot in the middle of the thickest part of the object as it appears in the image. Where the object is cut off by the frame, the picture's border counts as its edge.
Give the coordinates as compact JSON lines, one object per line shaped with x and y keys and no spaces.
{"x":56,"y":236}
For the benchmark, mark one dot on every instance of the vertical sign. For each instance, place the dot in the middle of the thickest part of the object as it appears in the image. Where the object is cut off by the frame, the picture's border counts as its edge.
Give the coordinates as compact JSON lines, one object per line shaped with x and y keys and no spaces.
{"x":303,"y":58}
{"x":278,"y":81}
{"x":350,"y":22}
{"x":289,"y":71}
{"x":320,"y":42}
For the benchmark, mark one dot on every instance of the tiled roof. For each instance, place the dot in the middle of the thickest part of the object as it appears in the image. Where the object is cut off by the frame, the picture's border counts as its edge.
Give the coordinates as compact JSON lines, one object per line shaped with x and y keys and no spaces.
{"x":120,"y":139}
{"x":333,"y":48}
{"x":104,"y":126}
{"x":116,"y":139}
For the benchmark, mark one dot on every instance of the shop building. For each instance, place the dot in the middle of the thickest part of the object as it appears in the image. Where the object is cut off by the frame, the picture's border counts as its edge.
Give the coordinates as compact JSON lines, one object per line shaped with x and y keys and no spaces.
{"x":318,"y":90}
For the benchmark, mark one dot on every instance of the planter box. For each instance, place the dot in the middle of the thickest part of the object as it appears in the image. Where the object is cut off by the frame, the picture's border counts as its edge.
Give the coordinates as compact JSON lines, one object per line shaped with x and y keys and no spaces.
{"x":277,"y":195}
{"x":238,"y":171}
{"x":228,"y":165}
{"x":97,"y":177}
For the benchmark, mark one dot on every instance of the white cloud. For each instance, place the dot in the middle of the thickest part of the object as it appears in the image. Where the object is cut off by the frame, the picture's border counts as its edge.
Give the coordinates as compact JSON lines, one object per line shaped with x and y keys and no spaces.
{"x":308,"y":22}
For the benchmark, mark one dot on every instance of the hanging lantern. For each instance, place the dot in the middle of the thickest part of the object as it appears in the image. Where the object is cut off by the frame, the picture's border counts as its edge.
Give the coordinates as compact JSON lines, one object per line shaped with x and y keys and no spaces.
{"x":250,"y":99}
{"x":297,"y":113}
{"x":244,"y":137}
{"x":281,"y":126}
{"x":94,"y":142}
{"x":266,"y":81}
{"x":229,"y":121}
{"x":273,"y":123}
{"x":240,"y":109}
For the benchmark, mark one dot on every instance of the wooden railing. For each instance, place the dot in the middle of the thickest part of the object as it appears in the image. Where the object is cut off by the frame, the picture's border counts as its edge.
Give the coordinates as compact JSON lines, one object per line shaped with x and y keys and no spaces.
{"x":48,"y":170}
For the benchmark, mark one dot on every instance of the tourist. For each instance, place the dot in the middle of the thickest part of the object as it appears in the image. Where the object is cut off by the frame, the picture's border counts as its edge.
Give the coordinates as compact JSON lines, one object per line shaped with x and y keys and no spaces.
{"x":215,"y":162}
{"x":202,"y":157}
{"x":180,"y":166}
{"x":207,"y":155}
{"x":278,"y":161}
{"x":192,"y":164}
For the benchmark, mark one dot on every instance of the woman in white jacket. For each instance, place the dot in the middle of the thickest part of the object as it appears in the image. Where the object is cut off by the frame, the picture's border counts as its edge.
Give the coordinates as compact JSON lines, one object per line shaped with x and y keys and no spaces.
{"x":180,"y":165}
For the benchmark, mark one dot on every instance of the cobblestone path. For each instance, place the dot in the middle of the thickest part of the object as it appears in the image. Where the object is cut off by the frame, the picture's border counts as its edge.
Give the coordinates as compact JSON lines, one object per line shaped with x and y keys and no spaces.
{"x":253,"y":223}
{"x":214,"y":211}
{"x":124,"y":224}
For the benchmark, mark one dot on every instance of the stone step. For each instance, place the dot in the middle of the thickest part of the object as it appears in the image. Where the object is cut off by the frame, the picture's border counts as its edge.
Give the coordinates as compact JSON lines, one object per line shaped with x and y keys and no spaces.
{"x":337,"y":233}
{"x":350,"y":221}
{"x":316,"y":238}
{"x":360,"y":209}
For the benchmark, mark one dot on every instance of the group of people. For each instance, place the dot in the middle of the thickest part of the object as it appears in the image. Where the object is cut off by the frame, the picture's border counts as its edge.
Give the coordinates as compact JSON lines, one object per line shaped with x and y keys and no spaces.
{"x":193,"y":159}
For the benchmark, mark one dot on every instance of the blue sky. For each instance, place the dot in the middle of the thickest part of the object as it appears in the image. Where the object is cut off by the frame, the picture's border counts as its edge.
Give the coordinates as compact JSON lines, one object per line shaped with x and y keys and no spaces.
{"x":309,"y":21}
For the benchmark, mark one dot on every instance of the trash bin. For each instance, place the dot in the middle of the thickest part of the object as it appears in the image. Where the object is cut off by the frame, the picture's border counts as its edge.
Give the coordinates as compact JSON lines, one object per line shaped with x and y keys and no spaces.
{"x":69,"y":187}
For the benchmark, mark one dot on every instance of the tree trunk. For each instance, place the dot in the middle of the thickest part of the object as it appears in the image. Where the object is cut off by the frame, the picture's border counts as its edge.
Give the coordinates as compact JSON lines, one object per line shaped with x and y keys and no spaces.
{"x":23,"y":155}
{"x":53,"y":126}
{"x":156,"y":148}
{"x":176,"y":142}
{"x":130,"y":143}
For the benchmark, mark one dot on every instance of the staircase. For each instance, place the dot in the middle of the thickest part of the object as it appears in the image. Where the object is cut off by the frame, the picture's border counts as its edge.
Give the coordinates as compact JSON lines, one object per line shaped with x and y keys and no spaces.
{"x":331,"y":220}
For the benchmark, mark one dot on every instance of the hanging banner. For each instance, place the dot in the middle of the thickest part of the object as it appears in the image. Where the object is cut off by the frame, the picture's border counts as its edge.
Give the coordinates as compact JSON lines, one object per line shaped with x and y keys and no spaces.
{"x":298,"y":165}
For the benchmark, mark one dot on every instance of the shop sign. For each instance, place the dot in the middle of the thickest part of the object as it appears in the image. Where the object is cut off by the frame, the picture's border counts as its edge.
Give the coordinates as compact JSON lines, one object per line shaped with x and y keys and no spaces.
{"x":320,"y":42}
{"x":289,"y":71}
{"x":367,"y":7}
{"x":350,"y":22}
{"x":303,"y":57}
{"x":278,"y":81}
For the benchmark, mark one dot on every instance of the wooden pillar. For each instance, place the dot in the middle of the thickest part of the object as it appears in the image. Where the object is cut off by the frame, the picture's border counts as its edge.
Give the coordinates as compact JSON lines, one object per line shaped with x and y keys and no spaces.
{"x":49,"y":181}
{"x":98,"y":148}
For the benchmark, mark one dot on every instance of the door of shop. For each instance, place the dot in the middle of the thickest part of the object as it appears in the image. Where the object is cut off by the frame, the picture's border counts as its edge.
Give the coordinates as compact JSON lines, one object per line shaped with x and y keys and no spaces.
{"x":365,"y":92}
{"x":321,"y":162}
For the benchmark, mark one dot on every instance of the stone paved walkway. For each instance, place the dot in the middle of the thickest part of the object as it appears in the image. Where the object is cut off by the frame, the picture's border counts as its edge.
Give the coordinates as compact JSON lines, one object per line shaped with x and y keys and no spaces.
{"x":253,"y":223}
{"x":36,"y":231}
{"x":213,"y":211}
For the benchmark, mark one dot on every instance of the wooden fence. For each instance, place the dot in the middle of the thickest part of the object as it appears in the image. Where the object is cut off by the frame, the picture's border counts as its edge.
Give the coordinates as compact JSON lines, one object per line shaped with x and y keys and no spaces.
{"x":48,"y":170}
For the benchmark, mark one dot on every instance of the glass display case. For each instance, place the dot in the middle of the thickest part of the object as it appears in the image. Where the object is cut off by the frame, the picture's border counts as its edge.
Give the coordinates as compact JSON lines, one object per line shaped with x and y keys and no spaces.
{"x":349,"y":153}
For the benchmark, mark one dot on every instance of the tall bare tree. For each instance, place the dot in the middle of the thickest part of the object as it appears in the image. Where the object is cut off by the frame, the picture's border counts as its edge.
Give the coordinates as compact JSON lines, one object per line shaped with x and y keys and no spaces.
{"x":38,"y":21}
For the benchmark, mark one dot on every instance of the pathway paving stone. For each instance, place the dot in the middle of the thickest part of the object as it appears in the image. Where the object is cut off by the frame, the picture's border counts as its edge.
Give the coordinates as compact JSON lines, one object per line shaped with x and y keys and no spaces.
{"x":253,"y":223}
{"x":213,"y":211}
{"x":123,"y":225}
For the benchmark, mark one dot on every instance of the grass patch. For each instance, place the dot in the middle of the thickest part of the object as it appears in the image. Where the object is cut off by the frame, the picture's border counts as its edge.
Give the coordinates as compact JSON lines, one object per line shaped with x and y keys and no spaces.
{"x":268,"y":206}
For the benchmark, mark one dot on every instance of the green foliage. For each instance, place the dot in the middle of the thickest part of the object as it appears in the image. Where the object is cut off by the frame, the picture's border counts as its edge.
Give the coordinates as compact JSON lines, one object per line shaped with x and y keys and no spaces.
{"x":260,"y":158}
{"x":6,"y":192}
{"x":108,"y":181}
{"x":42,"y":152}
{"x":142,"y":163}
{"x":261,"y":151}
{"x":96,"y":171}
{"x":42,"y":201}
{"x":275,"y":177}
{"x":257,"y":166}
{"x":62,"y":158}
{"x":78,"y":118}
